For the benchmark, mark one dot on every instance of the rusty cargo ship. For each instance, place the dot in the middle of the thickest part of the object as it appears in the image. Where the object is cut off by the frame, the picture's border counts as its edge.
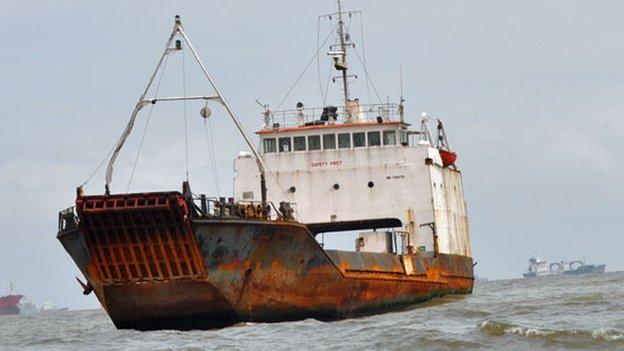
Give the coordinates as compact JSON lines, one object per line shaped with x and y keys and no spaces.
{"x":180,"y":260}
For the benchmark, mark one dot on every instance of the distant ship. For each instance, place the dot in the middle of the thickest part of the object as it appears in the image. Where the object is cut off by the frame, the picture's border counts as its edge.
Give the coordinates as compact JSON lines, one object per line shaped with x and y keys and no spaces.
{"x":538,"y":268}
{"x":9,"y":303}
{"x":48,"y":306}
{"x":27,"y":307}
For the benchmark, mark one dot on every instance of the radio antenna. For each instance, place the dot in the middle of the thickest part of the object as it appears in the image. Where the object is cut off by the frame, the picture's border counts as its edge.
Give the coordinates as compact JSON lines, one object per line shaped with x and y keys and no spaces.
{"x":341,"y":64}
{"x":401,"y":107}
{"x":401,"y":78}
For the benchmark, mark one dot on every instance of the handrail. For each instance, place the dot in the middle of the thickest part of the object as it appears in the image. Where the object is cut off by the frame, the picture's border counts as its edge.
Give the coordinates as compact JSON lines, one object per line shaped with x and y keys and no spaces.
{"x":212,"y":207}
{"x":68,"y":219}
{"x":331,"y":115}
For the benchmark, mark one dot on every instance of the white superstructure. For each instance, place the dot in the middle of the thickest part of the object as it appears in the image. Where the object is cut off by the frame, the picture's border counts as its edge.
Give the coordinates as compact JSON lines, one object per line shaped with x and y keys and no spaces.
{"x":360,"y":162}
{"x":371,"y":168}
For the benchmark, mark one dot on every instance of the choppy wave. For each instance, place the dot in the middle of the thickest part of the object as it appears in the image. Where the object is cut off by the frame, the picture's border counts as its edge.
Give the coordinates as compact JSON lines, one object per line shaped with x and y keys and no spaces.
{"x":493,"y":328}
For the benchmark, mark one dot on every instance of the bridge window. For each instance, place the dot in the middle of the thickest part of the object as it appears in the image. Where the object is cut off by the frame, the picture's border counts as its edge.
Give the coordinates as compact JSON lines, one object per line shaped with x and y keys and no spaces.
{"x":284,"y":145}
{"x":374,"y":139}
{"x":329,"y":141}
{"x":269,"y":146}
{"x":344,"y":140}
{"x":359,"y":139}
{"x":389,"y":137}
{"x":299,"y":143}
{"x":314,"y":142}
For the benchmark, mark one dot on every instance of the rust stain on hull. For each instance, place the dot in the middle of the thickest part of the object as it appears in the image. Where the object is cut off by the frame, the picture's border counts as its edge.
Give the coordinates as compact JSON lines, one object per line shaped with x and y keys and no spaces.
{"x":153,"y":267}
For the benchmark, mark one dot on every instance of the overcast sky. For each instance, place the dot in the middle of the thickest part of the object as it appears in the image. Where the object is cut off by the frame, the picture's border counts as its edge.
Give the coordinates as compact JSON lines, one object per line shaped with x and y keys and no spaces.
{"x":531,"y":94}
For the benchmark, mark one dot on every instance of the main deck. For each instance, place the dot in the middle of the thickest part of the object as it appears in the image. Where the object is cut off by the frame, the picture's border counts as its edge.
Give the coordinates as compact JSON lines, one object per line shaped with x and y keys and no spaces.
{"x":156,"y":261}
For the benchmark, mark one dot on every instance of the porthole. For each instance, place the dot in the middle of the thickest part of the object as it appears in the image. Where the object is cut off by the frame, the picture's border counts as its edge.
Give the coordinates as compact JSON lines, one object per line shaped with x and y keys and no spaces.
{"x":336,"y":186}
{"x":371,"y":184}
{"x":292,"y":189}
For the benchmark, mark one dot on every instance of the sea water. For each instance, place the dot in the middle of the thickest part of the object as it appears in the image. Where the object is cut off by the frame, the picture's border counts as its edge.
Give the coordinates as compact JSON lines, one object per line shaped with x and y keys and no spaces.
{"x":584,"y":312}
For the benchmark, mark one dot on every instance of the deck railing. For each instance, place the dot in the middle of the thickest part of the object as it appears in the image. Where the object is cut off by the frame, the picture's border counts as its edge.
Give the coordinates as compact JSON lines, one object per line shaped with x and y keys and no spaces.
{"x":209,"y":208}
{"x":203,"y":207}
{"x":67,"y":219}
{"x":331,"y":115}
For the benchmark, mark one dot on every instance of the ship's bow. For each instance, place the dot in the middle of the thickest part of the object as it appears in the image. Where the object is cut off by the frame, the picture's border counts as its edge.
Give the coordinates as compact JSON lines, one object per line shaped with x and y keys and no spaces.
{"x":141,"y":259}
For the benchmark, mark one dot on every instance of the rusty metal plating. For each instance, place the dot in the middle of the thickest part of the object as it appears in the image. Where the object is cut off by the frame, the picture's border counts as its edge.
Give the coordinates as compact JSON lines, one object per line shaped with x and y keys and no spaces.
{"x":155,"y":261}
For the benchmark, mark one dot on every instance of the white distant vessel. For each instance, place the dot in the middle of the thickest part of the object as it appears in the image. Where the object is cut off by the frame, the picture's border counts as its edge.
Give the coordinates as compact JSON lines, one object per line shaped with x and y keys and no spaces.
{"x":48,"y":306}
{"x":27,"y":307}
{"x":539,"y":267}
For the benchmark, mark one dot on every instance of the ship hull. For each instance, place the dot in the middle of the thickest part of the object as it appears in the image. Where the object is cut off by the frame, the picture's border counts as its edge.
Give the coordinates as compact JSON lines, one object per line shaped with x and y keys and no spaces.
{"x":587,"y":269}
{"x":9,"y":310}
{"x":584,"y":269}
{"x":268,"y":273}
{"x":9,"y":304}
{"x":201,"y":274}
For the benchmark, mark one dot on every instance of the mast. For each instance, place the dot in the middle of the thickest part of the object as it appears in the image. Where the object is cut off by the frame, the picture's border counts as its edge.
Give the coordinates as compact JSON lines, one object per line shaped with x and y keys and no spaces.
{"x":179,"y":31}
{"x":237,"y":123}
{"x":342,"y":65}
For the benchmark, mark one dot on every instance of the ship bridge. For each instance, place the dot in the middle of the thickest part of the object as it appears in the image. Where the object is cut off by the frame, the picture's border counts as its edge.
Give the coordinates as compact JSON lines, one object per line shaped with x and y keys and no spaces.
{"x":359,"y":163}
{"x":318,"y":129}
{"x":350,"y":165}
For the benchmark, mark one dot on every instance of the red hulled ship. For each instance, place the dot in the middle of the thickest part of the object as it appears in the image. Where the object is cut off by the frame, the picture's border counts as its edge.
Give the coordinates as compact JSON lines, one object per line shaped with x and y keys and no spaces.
{"x":9,"y":303}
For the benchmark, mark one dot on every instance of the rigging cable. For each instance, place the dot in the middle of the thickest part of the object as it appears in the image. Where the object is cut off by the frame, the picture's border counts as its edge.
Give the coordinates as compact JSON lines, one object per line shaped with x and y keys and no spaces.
{"x":304,"y":70}
{"x":364,"y":57}
{"x":318,"y":59}
{"x":327,"y":83}
{"x":357,"y":54}
{"x":210,"y":147}
{"x":329,"y":73}
{"x":149,"y":118}
{"x":186,"y":148}
{"x":99,"y":166}
{"x":210,"y":150}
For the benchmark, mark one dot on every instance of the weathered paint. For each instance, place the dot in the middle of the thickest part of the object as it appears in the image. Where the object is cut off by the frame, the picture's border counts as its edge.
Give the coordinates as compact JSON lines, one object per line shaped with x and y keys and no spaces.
{"x":449,"y":206}
{"x":332,"y":185}
{"x":251,"y":270}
